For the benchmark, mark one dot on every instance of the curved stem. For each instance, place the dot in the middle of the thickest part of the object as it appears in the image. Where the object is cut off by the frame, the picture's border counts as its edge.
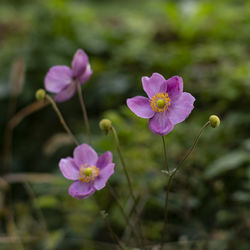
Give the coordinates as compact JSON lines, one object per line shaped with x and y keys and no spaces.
{"x":112,"y":233}
{"x":59,"y":114}
{"x":123,"y":163}
{"x":84,"y":111}
{"x":165,"y":153}
{"x":171,"y":177}
{"x":127,"y":177}
{"x":124,"y":214}
{"x":190,"y":151}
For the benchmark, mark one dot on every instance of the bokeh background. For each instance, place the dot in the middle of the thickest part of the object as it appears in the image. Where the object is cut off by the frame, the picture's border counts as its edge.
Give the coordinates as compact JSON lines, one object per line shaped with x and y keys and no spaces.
{"x":205,"y":42}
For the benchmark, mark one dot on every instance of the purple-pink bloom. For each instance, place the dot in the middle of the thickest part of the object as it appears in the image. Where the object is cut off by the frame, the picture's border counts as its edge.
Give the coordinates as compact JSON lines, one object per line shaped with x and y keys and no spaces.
{"x":166,"y":104}
{"x":62,"y":80}
{"x":88,"y":171}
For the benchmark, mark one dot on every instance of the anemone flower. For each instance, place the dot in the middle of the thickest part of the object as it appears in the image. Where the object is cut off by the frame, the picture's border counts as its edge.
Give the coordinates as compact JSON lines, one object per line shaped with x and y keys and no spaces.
{"x":166,"y":105}
{"x":88,"y":172}
{"x":62,"y":80}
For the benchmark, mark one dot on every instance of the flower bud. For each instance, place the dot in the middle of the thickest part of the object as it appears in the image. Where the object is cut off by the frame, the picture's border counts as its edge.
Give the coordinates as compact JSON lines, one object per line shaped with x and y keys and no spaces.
{"x":214,"y":121}
{"x":40,"y":94}
{"x":106,"y":125}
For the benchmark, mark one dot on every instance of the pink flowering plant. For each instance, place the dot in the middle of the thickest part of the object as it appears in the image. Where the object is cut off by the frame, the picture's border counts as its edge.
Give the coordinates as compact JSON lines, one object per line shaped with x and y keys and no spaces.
{"x":165,"y":106}
{"x":62,"y":80}
{"x":88,"y":172}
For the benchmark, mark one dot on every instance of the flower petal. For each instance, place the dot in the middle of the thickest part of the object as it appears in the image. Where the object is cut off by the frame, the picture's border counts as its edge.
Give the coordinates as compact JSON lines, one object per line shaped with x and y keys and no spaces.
{"x":140,"y":106}
{"x":86,"y":75}
{"x":154,"y":84}
{"x":69,"y":169}
{"x":79,"y":63}
{"x":105,"y":173}
{"x":57,"y":78}
{"x":85,"y":154}
{"x":81,"y":190}
{"x":104,"y":160}
{"x":160,"y":124}
{"x":181,"y":108}
{"x":175,"y":87}
{"x":66,"y":93}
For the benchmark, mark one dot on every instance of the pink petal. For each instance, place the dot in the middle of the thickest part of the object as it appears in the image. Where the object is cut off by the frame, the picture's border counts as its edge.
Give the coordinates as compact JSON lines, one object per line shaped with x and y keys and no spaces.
{"x":85,"y":154}
{"x":86,"y":75}
{"x":181,"y":108}
{"x":81,"y":190}
{"x":140,"y":106}
{"x":154,"y":84}
{"x":57,"y":78}
{"x":69,"y":169}
{"x":79,"y":63}
{"x":174,"y":87}
{"x":105,"y":173}
{"x":104,"y":160}
{"x":160,"y":124}
{"x":66,"y":93}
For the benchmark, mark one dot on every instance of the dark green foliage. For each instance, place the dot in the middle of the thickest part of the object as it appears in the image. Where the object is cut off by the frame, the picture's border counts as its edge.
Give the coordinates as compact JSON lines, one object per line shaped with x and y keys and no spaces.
{"x":205,"y":42}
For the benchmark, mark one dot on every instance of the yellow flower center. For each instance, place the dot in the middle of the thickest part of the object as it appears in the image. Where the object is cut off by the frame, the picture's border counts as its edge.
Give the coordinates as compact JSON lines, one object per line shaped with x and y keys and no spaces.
{"x":88,"y":173}
{"x":160,"y":102}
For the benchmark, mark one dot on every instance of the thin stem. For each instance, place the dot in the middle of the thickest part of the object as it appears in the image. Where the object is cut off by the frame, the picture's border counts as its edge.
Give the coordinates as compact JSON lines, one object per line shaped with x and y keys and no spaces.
{"x":84,"y":111}
{"x":112,"y":233}
{"x":124,"y":214}
{"x":166,"y":210}
{"x":127,"y":177}
{"x":59,"y":114}
{"x":165,"y":153}
{"x":190,"y":151}
{"x":171,"y":177}
{"x":123,"y":163}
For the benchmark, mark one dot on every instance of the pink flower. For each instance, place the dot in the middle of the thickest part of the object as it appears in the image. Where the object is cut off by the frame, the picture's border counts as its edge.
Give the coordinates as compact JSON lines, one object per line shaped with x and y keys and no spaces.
{"x":89,"y":172}
{"x":166,"y":104}
{"x":62,"y":80}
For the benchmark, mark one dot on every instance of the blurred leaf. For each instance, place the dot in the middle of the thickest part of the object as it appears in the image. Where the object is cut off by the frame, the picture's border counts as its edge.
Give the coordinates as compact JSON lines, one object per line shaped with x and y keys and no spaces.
{"x":227,"y":162}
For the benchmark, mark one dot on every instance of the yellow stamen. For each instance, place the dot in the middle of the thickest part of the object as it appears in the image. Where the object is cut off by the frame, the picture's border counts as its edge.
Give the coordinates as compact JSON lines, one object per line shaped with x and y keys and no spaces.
{"x":160,"y":102}
{"x":88,"y":173}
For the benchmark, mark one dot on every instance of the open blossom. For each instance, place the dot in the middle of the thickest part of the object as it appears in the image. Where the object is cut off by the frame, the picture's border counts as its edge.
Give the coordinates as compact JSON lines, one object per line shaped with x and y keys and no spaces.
{"x":62,"y":80}
{"x":166,"y":104}
{"x":88,"y":172}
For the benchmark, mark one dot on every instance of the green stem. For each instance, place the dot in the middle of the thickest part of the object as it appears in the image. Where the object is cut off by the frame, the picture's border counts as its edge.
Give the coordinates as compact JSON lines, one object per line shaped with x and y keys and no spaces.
{"x":165,"y":153}
{"x":171,"y":177}
{"x":59,"y":114}
{"x":112,"y":233}
{"x":84,"y":111}
{"x":123,"y":163}
{"x":127,"y":177}
{"x":190,"y":151}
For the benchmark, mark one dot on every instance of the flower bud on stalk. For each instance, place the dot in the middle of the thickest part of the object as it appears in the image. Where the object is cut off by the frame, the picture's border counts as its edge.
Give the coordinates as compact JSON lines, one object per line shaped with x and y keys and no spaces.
{"x":105,"y":125}
{"x":40,"y":94}
{"x":214,"y":121}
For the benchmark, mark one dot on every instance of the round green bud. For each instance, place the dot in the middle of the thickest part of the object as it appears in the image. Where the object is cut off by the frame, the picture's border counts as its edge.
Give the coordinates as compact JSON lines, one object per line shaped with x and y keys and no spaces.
{"x":160,"y":103}
{"x":105,"y":124}
{"x":40,"y":94}
{"x":88,"y":171}
{"x":214,"y":121}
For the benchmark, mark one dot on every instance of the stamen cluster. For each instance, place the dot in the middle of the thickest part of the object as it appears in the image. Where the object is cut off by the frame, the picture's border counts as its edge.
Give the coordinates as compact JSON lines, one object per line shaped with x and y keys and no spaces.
{"x":88,"y":173}
{"x":155,"y":100}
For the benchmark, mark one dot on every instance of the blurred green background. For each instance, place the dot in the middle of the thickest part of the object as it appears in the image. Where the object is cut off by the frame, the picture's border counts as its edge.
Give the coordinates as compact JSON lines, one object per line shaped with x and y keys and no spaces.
{"x":205,"y":42}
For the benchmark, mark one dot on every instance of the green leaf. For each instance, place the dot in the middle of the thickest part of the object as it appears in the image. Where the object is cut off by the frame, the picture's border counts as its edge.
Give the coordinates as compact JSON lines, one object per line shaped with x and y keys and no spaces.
{"x":227,"y":162}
